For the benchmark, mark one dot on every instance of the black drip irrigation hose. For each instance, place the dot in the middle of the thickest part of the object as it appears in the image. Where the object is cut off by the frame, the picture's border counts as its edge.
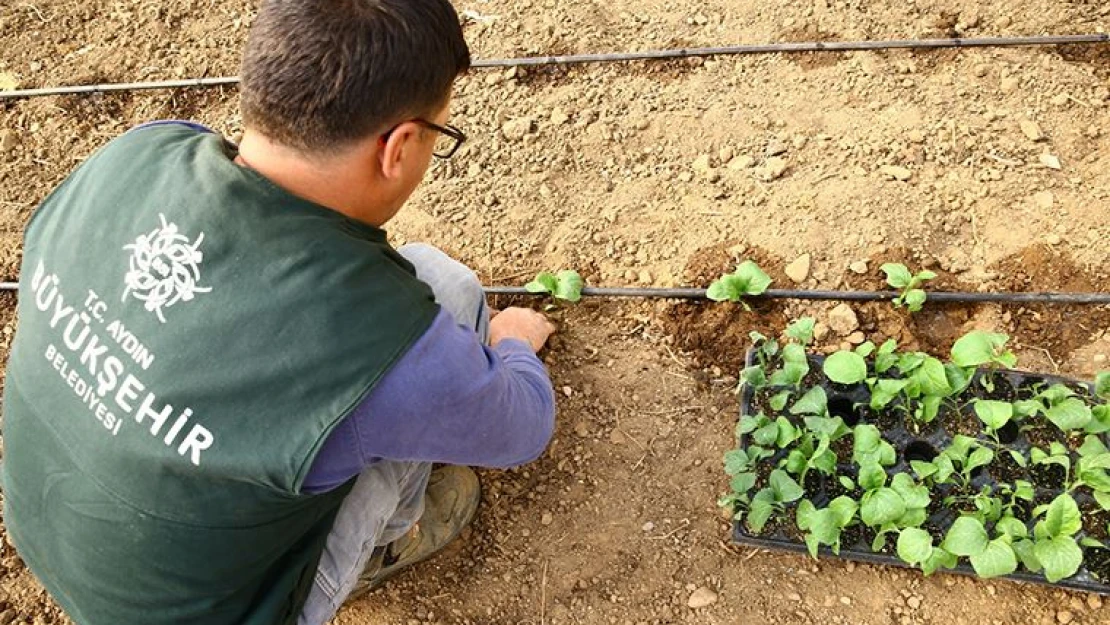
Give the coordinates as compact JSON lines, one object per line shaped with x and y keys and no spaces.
{"x":840,"y":296}
{"x":646,"y":55}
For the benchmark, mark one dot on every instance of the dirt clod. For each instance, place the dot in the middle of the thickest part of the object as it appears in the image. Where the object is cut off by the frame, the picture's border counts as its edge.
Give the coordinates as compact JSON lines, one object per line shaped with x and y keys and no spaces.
{"x":703,"y":597}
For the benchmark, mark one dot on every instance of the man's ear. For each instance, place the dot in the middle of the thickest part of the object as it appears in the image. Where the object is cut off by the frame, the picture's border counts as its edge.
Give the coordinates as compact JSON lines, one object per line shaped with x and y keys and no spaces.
{"x":396,"y":147}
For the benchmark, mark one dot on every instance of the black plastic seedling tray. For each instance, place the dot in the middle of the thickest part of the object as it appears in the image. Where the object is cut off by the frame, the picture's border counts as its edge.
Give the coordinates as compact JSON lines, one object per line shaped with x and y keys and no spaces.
{"x":905,"y":441}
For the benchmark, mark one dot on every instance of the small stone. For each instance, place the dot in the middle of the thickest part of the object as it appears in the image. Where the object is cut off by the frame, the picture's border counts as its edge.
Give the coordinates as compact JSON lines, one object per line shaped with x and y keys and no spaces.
{"x":1044,"y":199}
{"x":798,"y":270}
{"x":858,"y":267}
{"x":581,"y":429}
{"x":568,"y":391}
{"x":1008,"y":85}
{"x":775,"y":147}
{"x":916,"y":136}
{"x":820,"y":331}
{"x":914,"y":602}
{"x":741,"y":162}
{"x":772,"y":169}
{"x":896,"y":172}
{"x":1060,"y":99}
{"x":1050,"y":161}
{"x":793,"y":596}
{"x":1052,"y":239}
{"x":644,"y":277}
{"x":701,"y":164}
{"x":8,"y":81}
{"x":8,"y":141}
{"x":846,"y":600}
{"x":1064,"y":617}
{"x":1094,"y":601}
{"x":546,"y":519}
{"x":702,"y":598}
{"x":982,"y":70}
{"x":843,"y":320}
{"x":517,"y":129}
{"x":1031,"y":130}
{"x":1098,"y":358}
{"x":647,"y":527}
{"x":559,"y":117}
{"x":856,"y":338}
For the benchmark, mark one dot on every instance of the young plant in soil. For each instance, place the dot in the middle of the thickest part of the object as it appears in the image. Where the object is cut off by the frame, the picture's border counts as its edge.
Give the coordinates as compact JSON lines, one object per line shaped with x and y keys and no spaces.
{"x":747,"y":280}
{"x":981,"y":471}
{"x":565,"y":285}
{"x":910,"y":295}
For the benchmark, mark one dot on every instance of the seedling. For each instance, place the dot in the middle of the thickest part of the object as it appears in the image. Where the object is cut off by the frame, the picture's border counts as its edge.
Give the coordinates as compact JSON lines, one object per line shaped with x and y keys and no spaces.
{"x":823,"y":526}
{"x":890,"y":508}
{"x":868,"y":447}
{"x":995,"y":415}
{"x":956,"y":463}
{"x":1054,"y":547}
{"x":767,"y":432}
{"x":747,"y":280}
{"x":990,"y":558}
{"x":911,"y":295}
{"x":1090,"y":470}
{"x":845,"y":367}
{"x":565,"y":285}
{"x":983,"y":349}
{"x":781,"y":490}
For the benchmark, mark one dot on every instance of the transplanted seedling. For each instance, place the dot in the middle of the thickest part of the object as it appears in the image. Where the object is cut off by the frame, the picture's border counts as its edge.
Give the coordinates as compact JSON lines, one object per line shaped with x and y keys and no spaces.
{"x":982,"y":349}
{"x":824,"y":525}
{"x":748,"y":279}
{"x":911,"y":295}
{"x":565,"y":285}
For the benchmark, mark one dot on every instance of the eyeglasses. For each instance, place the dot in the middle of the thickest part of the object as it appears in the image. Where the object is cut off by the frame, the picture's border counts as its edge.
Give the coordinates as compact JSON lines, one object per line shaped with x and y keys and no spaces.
{"x":448,"y":141}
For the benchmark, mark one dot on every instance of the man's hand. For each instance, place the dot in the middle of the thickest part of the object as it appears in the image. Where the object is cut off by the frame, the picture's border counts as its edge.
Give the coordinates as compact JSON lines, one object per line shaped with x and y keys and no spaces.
{"x":520,"y":323}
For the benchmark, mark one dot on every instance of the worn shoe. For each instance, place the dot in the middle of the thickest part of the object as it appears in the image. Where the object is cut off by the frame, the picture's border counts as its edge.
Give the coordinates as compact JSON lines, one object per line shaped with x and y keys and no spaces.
{"x":450,"y":502}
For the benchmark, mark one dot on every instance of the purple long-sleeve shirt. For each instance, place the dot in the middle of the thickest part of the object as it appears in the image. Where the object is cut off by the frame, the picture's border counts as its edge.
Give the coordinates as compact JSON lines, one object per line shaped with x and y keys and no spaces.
{"x":449,"y":399}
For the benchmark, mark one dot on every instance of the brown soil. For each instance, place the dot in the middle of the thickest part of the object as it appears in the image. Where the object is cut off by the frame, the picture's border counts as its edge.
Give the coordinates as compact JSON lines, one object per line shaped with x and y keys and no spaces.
{"x":617,"y":523}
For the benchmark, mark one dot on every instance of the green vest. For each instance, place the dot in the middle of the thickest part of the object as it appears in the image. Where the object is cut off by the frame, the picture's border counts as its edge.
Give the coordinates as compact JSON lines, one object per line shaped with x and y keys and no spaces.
{"x":189,"y":335}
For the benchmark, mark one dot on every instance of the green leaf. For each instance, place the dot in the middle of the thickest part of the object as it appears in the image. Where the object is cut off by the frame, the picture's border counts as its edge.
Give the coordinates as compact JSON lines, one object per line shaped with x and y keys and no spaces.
{"x":787,"y":432}
{"x":791,"y":374}
{"x":882,"y":506}
{"x":766,"y":435}
{"x":736,"y":461}
{"x":994,"y":414}
{"x":930,"y":407}
{"x":844,"y":509}
{"x":569,"y":286}
{"x":1061,"y":557}
{"x":979,"y":348}
{"x":914,"y":299}
{"x":545,"y":282}
{"x":1102,"y":385}
{"x":885,"y":357}
{"x":759,"y":512}
{"x":1103,"y":500}
{"x":1027,"y":408}
{"x":1024,"y":551}
{"x":864,"y":349}
{"x":885,"y":391}
{"x":932,"y":379}
{"x":802,"y":330}
{"x":803,"y":517}
{"x":938,"y":560}
{"x":923,"y":469}
{"x":741,"y":483}
{"x":814,"y":402}
{"x":754,"y":377}
{"x":784,"y":487}
{"x":727,"y":288}
{"x":996,"y":560}
{"x":778,"y":400}
{"x":958,"y":377}
{"x":897,"y":275}
{"x":755,"y":281}
{"x":1018,"y":458}
{"x":845,"y":367}
{"x":1069,"y":414}
{"x":979,"y":458}
{"x":910,"y":361}
{"x":1011,"y":527}
{"x":1092,"y":446}
{"x":914,"y":495}
{"x":872,"y":476}
{"x":966,"y":537}
{"x":846,"y":482}
{"x":1100,"y":419}
{"x":1063,"y":517}
{"x":796,"y":462}
{"x":915,"y":545}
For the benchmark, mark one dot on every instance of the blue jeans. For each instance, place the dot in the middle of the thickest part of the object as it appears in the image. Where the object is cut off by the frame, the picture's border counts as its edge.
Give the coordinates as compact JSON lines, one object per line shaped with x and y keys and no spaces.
{"x":388,"y":497}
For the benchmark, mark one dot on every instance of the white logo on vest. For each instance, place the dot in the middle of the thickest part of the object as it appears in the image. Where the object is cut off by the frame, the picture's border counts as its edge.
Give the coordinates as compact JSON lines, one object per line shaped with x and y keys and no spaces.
{"x":163,"y":268}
